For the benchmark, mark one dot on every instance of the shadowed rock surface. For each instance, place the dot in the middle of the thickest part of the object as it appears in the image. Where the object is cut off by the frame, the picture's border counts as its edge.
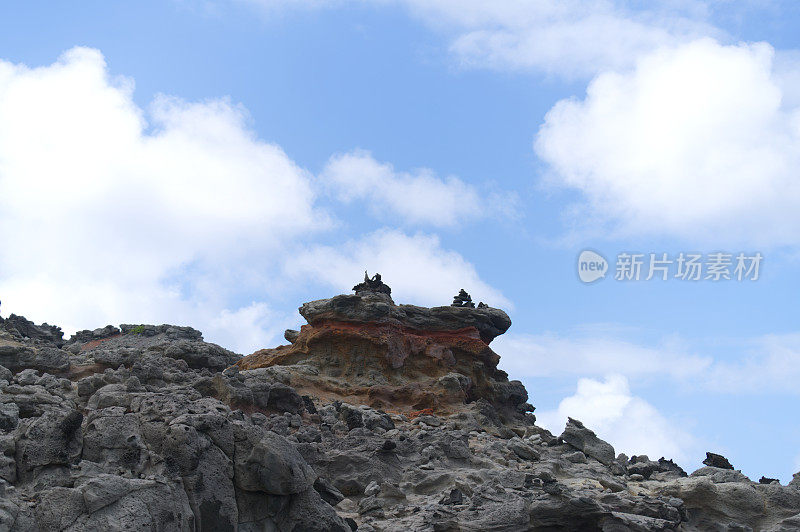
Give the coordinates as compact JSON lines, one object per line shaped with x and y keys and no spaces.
{"x":377,"y":417}
{"x":717,"y":460}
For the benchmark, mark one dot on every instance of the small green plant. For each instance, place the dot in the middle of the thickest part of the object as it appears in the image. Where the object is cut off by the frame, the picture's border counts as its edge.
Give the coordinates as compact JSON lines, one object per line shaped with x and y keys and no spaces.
{"x":139,"y":329}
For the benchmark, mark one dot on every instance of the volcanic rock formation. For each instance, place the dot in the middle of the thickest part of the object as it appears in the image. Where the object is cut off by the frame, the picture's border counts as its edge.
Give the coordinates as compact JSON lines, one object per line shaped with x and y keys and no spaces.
{"x":377,"y":417}
{"x":363,"y":348}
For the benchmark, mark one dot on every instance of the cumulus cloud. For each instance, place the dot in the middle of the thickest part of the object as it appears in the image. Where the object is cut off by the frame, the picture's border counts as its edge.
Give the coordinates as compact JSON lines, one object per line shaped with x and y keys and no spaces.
{"x":695,"y":142}
{"x":678,"y":134}
{"x":551,"y":355}
{"x":110,"y":212}
{"x":416,"y":267}
{"x":176,"y":214}
{"x":418,"y":197}
{"x":629,"y":423}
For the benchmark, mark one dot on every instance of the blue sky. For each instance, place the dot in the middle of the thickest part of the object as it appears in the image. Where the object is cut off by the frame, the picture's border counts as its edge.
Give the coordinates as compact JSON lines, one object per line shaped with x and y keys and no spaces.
{"x":217,"y":163}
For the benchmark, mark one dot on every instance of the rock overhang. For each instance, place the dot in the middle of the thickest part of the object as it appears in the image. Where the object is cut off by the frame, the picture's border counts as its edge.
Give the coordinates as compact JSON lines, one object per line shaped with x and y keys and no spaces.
{"x":489,"y":322}
{"x":366,"y":349}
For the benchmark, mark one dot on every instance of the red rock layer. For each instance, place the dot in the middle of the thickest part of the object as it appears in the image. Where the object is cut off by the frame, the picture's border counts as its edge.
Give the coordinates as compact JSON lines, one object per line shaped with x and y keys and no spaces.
{"x":387,"y":366}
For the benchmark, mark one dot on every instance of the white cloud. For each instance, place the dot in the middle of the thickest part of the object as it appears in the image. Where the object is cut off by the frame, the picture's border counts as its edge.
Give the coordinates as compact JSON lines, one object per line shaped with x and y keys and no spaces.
{"x":108,"y":213}
{"x":694,"y":143}
{"x":418,"y":197}
{"x":416,"y":267}
{"x":629,"y":423}
{"x":770,"y":365}
{"x":179,"y":214}
{"x":249,"y":328}
{"x":549,"y":355}
{"x":564,"y":37}
{"x":678,"y":134}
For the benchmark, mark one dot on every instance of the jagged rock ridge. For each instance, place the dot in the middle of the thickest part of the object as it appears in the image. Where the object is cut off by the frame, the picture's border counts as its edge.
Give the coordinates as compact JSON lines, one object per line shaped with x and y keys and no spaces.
{"x":151,"y":428}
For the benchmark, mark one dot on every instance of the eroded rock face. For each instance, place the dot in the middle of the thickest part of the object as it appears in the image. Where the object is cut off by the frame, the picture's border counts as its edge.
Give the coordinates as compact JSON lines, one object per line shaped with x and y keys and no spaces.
{"x":403,"y":358}
{"x":133,"y":429}
{"x":151,"y":428}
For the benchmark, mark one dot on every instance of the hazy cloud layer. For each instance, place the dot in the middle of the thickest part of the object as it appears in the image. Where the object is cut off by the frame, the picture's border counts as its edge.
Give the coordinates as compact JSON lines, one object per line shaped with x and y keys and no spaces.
{"x":755,"y":365}
{"x":770,"y":364}
{"x":563,"y":37}
{"x":571,"y":38}
{"x":551,"y":355}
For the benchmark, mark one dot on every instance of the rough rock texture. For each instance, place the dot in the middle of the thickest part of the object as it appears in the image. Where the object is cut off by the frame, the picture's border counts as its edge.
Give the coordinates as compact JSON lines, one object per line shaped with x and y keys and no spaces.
{"x":150,"y":428}
{"x":586,"y":441}
{"x":402,"y":358}
{"x":132,"y":429}
{"x":369,"y":307}
{"x":717,"y":460}
{"x":20,"y":327}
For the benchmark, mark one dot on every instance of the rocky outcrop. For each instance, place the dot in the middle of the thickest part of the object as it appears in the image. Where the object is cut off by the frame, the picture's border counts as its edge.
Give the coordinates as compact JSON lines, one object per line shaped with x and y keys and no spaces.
{"x":146,"y":427}
{"x":364,"y":348}
{"x":22,"y":328}
{"x":717,"y":460}
{"x":138,"y":428}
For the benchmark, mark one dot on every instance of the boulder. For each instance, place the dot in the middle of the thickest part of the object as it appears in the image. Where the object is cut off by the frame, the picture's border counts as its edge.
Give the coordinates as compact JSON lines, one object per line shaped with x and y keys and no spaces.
{"x":587,"y":441}
{"x":308,"y":512}
{"x":54,"y":439}
{"x":273,"y":466}
{"x":9,"y":416}
{"x":717,"y":460}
